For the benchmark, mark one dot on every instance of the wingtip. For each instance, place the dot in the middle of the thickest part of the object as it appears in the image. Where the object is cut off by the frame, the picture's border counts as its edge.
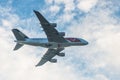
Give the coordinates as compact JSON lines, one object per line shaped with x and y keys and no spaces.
{"x":14,"y":29}
{"x":35,"y":11}
{"x":37,"y":65}
{"x":15,"y":49}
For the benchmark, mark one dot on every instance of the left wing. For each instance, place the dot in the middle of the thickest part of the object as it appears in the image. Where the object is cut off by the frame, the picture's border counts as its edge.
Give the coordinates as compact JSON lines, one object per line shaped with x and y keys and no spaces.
{"x":49,"y":55}
{"x":51,"y":32}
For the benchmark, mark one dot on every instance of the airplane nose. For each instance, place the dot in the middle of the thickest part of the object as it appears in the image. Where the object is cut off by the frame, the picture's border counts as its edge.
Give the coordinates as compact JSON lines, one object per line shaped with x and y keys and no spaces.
{"x":84,"y":41}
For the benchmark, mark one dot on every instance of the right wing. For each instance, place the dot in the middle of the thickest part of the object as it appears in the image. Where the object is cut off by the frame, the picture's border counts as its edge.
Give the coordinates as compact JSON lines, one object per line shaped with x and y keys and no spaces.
{"x":49,"y":55}
{"x":51,"y":32}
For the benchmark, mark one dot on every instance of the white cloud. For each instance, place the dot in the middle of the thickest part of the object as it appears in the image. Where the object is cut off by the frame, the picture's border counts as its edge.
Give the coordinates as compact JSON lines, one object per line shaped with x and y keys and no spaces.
{"x":86,"y":5}
{"x":54,"y":9}
{"x":61,"y":6}
{"x":69,"y":4}
{"x":111,"y":40}
{"x":66,"y":18}
{"x":97,"y":61}
{"x":49,"y":1}
{"x":20,"y":64}
{"x":100,"y":77}
{"x":102,"y":31}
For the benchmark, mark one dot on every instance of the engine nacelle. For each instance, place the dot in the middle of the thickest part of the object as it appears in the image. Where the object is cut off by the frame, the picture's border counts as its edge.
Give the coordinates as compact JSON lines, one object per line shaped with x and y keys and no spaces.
{"x":62,"y":33}
{"x":53,"y":24}
{"x":53,"y":60}
{"x":61,"y":54}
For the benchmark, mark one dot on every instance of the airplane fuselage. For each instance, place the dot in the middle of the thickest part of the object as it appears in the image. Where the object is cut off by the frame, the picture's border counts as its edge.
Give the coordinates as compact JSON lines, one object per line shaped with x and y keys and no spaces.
{"x":43,"y":42}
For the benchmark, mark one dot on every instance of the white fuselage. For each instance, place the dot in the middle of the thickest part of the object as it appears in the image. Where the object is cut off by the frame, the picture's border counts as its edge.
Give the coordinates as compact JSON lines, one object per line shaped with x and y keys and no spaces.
{"x":43,"y":42}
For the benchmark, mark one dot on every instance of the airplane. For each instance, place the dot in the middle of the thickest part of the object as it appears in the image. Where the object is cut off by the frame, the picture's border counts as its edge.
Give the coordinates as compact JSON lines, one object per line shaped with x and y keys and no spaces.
{"x":55,"y":41}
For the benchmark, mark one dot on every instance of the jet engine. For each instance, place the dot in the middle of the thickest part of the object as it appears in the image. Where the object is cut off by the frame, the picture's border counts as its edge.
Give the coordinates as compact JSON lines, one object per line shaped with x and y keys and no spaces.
{"x":61,"y":54}
{"x":53,"y":60}
{"x":62,"y":33}
{"x":53,"y":24}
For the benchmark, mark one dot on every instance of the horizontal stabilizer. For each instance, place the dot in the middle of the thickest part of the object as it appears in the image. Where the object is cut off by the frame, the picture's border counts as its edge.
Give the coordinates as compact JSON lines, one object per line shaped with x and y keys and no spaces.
{"x":18,"y":46}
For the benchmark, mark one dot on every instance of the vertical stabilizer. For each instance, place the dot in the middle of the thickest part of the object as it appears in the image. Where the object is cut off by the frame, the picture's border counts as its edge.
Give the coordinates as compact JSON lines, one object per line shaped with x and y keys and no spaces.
{"x":19,"y":35}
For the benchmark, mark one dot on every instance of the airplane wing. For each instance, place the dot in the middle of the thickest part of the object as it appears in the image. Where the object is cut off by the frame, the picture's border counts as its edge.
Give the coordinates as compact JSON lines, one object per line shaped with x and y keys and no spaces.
{"x":51,"y":32}
{"x":49,"y":55}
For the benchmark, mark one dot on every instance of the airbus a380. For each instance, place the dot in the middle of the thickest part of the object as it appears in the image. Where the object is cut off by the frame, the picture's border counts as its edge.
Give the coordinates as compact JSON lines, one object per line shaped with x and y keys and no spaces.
{"x":55,"y":41}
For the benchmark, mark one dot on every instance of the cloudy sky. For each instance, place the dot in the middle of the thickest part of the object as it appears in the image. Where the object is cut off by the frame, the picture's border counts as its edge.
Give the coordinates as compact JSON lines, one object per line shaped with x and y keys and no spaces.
{"x":97,"y":21}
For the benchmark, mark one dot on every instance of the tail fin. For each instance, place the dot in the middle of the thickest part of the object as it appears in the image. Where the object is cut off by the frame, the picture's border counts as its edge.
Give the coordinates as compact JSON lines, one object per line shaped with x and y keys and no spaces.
{"x":20,"y":37}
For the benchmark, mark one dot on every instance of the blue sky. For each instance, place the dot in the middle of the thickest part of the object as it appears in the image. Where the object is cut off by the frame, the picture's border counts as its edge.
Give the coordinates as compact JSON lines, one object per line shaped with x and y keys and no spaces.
{"x":23,"y":8}
{"x":97,"y":21}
